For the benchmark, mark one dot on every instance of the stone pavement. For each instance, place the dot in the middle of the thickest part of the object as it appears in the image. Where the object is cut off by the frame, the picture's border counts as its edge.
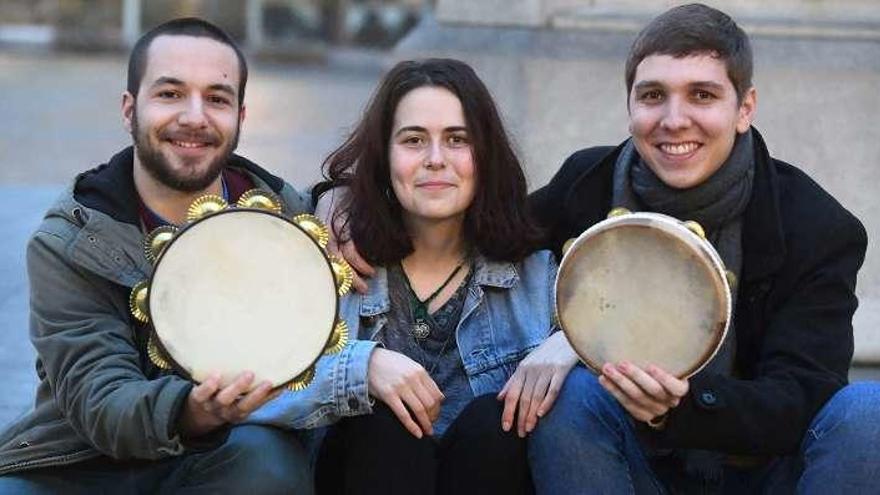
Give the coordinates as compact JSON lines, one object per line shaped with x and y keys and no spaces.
{"x":20,"y":210}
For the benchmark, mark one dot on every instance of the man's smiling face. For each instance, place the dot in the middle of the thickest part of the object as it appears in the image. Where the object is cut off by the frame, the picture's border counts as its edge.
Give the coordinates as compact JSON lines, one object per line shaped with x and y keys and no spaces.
{"x":684,"y":116}
{"x":186,"y":118}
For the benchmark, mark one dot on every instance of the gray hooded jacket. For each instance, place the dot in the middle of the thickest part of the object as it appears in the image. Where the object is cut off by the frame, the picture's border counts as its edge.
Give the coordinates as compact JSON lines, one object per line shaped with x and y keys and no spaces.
{"x":98,"y":391}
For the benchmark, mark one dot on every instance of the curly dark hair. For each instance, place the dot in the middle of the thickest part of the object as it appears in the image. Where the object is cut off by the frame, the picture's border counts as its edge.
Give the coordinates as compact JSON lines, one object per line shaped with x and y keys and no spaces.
{"x":496,"y":223}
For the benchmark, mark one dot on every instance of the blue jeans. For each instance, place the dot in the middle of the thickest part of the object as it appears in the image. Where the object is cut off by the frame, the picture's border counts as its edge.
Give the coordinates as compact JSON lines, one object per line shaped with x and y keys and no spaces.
{"x":253,"y":460}
{"x":587,"y":444}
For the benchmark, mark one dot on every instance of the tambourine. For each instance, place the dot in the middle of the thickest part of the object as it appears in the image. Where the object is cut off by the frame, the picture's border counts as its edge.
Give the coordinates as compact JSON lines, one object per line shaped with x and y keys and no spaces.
{"x":645,"y":288}
{"x":240,"y":288}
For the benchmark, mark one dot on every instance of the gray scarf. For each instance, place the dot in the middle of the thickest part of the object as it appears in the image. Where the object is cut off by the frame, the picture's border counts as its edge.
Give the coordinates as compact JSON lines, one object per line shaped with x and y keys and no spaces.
{"x":717,"y":204}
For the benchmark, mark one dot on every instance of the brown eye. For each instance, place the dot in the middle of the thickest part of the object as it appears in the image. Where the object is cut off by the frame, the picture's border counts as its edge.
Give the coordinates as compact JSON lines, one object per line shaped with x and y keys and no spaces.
{"x":651,"y":96}
{"x":218,"y":100}
{"x":458,"y":140}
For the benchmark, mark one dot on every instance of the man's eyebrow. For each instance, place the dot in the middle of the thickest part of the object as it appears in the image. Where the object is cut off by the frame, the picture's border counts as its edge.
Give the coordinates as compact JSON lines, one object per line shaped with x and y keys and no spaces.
{"x":225,"y":88}
{"x":647,"y":84}
{"x":651,"y":84}
{"x":707,"y":84}
{"x":173,"y":81}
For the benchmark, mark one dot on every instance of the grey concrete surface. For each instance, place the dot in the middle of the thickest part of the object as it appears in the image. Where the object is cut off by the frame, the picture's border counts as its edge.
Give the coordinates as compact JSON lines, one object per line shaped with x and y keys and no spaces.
{"x":814,"y":18}
{"x":20,"y":210}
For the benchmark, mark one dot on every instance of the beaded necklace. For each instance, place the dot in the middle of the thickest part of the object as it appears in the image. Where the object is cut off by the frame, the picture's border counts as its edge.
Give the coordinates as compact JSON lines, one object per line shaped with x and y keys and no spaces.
{"x":421,"y":328}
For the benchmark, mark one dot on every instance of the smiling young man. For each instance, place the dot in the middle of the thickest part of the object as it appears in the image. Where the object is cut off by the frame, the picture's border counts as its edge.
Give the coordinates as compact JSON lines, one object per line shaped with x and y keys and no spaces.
{"x":106,"y":420}
{"x":772,"y":412}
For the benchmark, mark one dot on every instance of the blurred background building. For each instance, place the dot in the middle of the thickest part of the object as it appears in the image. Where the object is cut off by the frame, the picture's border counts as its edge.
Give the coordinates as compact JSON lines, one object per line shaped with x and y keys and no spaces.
{"x":259,"y":24}
{"x":554,"y":66}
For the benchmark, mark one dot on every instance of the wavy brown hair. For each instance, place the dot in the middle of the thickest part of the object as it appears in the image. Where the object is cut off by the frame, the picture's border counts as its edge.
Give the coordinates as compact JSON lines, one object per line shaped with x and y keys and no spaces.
{"x":496,"y":223}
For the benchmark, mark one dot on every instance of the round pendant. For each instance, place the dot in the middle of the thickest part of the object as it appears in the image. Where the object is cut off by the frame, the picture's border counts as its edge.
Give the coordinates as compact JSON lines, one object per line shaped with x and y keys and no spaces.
{"x":420,"y":329}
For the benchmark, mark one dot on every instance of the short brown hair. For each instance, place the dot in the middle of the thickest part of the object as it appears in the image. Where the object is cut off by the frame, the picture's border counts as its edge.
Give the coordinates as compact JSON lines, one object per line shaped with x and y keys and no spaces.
{"x":695,"y":29}
{"x":184,"y":26}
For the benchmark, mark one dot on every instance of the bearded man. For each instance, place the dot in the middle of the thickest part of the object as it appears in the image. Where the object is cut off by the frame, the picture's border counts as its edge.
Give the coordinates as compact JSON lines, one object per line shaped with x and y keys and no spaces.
{"x":106,"y":419}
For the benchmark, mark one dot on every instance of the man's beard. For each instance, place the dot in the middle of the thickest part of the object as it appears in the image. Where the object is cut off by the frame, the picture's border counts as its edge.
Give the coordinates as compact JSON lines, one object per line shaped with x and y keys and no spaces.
{"x":157,"y":165}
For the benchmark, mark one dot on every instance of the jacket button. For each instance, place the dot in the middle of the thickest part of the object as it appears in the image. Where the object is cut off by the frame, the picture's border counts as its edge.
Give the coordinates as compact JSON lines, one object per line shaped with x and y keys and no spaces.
{"x":352,"y":403}
{"x":708,"y":398}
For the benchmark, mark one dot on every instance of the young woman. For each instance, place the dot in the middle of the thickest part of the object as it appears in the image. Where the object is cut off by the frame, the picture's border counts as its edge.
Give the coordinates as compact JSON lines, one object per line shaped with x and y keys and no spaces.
{"x":436,"y":201}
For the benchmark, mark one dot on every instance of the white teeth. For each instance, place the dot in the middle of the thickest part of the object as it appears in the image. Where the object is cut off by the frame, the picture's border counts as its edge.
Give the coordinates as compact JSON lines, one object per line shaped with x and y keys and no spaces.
{"x":185,"y":144}
{"x":678,"y":149}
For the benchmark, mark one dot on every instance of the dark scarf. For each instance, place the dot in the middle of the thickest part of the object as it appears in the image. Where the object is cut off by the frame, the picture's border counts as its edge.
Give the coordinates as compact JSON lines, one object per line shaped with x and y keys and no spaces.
{"x":717,"y":204}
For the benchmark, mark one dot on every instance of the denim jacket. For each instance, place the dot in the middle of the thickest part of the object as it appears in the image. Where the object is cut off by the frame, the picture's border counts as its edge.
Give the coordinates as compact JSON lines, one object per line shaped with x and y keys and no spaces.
{"x":508,"y":311}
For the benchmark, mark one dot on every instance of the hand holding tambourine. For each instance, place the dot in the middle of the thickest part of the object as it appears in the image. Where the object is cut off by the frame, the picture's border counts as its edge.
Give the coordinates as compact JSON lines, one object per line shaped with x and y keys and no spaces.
{"x":645,"y":301}
{"x":242,"y":289}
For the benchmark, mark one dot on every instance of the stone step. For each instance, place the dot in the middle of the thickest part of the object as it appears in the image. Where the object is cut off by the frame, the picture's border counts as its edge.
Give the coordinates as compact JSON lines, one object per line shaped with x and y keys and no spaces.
{"x":791,"y":26}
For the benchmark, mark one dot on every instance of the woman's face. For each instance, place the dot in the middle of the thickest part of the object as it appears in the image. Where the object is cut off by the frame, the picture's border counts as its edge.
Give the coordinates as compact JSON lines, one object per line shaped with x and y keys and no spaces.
{"x":432,"y":164}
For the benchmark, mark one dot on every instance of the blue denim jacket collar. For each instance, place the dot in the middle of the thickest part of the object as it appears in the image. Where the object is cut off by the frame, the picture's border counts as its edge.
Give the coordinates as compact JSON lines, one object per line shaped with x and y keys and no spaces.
{"x":500,"y":274}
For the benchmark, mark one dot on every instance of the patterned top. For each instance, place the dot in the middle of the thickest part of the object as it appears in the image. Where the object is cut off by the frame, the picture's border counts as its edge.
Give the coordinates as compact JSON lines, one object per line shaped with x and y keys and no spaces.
{"x":438,"y":352}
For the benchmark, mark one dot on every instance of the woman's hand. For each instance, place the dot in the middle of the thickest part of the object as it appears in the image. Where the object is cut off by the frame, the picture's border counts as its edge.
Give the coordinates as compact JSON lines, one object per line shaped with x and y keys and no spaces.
{"x":536,"y":382}
{"x":647,"y":394}
{"x":405,"y":387}
{"x":325,"y":209}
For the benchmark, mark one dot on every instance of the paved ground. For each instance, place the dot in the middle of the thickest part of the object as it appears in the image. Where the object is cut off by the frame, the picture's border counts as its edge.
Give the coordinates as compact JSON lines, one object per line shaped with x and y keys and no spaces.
{"x":20,"y":210}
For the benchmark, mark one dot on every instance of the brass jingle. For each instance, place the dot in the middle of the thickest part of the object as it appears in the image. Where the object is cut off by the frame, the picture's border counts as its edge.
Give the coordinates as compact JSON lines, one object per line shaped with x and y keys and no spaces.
{"x":137,"y":301}
{"x":156,"y":240}
{"x":260,"y":199}
{"x":731,"y":280}
{"x":343,"y":274}
{"x":338,"y":339}
{"x":696,"y":228}
{"x":618,"y":211}
{"x":204,"y":206}
{"x":303,"y":380}
{"x":156,"y":355}
{"x":314,"y":227}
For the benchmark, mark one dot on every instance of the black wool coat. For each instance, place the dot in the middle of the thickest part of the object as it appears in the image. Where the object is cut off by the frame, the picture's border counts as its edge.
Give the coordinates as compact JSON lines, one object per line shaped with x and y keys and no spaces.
{"x":796,"y":299}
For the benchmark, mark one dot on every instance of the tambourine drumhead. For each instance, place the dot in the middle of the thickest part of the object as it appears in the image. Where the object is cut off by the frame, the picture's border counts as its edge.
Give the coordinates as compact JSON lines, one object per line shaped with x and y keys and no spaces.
{"x":243,"y":290}
{"x":643,"y":288}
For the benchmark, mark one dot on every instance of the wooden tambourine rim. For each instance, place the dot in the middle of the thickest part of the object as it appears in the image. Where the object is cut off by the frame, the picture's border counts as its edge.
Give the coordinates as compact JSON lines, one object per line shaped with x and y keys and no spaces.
{"x":653,"y":220}
{"x":177,"y":367}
